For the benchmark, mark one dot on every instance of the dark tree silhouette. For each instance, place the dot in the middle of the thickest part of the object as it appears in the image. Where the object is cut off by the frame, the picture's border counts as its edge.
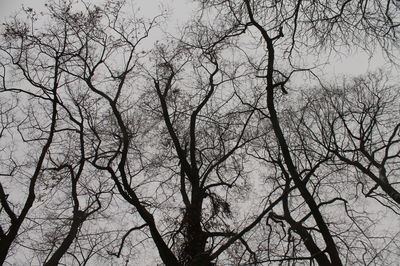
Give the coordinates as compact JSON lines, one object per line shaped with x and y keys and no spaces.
{"x":117,"y":139}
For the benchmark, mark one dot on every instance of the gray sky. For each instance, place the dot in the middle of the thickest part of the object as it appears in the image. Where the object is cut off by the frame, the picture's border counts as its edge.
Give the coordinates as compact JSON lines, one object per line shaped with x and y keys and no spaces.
{"x":354,"y":64}
{"x":148,"y":7}
{"x":10,"y":7}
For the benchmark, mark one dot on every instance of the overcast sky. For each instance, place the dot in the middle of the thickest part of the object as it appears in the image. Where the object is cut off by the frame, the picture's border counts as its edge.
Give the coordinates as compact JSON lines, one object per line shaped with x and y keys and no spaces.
{"x":10,"y":7}
{"x":355,"y":64}
{"x":148,"y":7}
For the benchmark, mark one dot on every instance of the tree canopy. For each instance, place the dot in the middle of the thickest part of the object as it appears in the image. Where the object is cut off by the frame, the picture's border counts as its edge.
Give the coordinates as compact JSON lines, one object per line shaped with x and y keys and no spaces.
{"x":226,"y":142}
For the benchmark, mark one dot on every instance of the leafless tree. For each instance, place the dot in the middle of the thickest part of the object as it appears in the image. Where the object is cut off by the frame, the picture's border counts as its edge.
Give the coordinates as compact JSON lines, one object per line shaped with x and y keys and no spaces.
{"x":359,"y":126}
{"x":200,"y":146}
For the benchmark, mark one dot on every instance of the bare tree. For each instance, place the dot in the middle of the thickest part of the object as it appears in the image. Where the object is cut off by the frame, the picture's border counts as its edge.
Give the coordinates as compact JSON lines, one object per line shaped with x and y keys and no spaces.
{"x":360,"y":127}
{"x":287,"y":30}
{"x":46,"y":93}
{"x":44,"y":128}
{"x":197,"y":146}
